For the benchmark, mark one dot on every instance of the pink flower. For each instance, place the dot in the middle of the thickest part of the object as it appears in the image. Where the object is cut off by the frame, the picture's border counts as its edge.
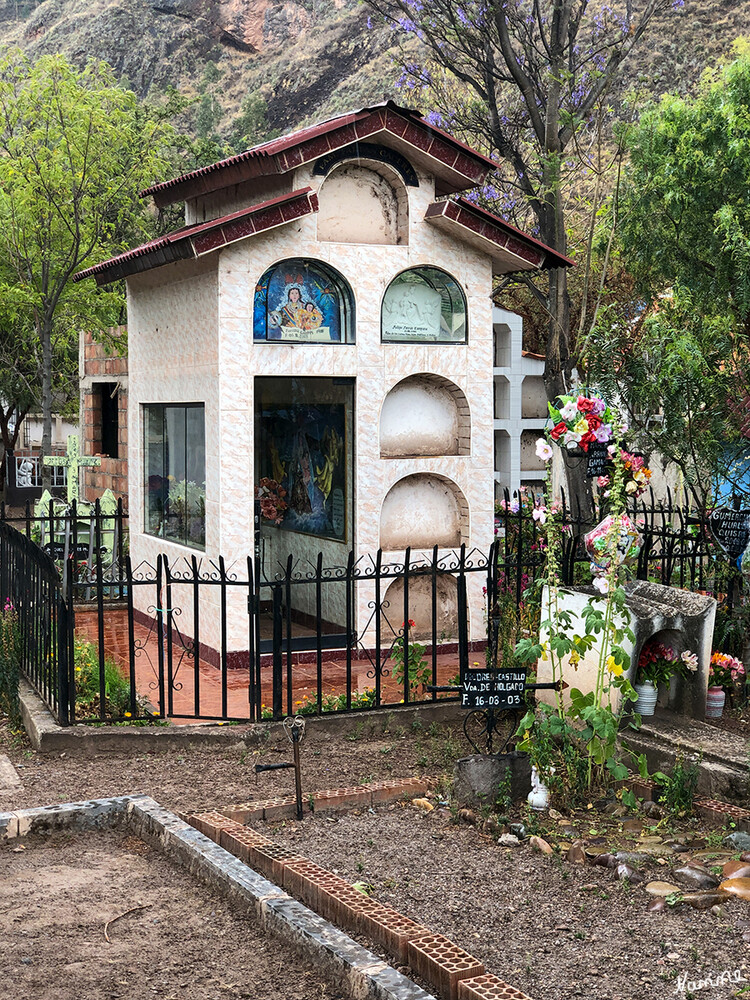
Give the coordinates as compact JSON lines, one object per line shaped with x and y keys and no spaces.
{"x":539,"y":514}
{"x":543,"y":449}
{"x":601,"y":584}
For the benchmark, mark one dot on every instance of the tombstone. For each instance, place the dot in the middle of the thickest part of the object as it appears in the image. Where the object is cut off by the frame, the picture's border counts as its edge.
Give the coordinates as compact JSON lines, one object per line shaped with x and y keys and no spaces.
{"x":731,"y":530}
{"x":679,"y":618}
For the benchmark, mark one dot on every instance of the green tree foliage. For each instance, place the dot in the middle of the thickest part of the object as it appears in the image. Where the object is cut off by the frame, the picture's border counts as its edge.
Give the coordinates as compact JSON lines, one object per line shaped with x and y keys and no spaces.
{"x":75,"y":149}
{"x":681,"y":365}
{"x":685,"y":211}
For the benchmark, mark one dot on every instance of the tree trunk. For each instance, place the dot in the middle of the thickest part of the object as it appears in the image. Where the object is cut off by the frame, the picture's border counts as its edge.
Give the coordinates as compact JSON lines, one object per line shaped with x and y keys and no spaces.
{"x":7,"y":439}
{"x":46,"y":340}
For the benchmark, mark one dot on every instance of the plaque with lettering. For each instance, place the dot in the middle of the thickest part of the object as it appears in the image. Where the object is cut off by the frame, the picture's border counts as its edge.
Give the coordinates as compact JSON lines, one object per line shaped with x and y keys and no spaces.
{"x":598,"y":463}
{"x":500,"y":689}
{"x":731,"y":529}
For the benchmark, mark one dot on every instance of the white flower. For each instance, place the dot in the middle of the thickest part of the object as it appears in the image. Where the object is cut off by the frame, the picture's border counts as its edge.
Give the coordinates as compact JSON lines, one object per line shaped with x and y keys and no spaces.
{"x":539,"y":514}
{"x":571,"y":440}
{"x":601,"y":584}
{"x":690,"y":660}
{"x":570,"y":411}
{"x":543,"y":450}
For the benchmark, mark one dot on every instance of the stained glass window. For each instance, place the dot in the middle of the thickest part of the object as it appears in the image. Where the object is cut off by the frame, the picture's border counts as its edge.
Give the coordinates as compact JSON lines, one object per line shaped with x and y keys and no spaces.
{"x":303,"y":300}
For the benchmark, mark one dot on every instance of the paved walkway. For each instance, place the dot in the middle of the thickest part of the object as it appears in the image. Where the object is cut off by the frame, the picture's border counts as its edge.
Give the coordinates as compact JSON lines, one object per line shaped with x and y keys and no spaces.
{"x":197,"y":692}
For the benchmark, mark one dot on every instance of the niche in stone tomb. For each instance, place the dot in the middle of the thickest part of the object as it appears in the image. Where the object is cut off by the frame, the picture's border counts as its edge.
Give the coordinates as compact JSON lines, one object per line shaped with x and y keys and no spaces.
{"x":424,"y":305}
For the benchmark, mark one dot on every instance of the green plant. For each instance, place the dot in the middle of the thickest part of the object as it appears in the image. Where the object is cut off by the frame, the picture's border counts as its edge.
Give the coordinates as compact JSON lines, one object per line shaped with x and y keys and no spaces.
{"x":116,"y":685}
{"x":678,"y":788}
{"x":10,"y":662}
{"x":408,"y":658}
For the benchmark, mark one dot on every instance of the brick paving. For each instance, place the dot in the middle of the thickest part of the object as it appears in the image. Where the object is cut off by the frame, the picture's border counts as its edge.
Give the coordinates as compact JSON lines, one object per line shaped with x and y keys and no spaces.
{"x":206,"y":679}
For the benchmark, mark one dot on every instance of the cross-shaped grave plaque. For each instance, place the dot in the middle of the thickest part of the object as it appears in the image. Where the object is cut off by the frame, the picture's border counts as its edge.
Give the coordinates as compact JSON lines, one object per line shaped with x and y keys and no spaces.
{"x":72,"y":461}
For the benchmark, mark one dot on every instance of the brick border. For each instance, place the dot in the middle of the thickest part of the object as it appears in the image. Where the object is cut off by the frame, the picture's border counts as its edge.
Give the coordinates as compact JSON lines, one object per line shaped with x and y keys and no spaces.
{"x":710,"y":809}
{"x":363,"y":974}
{"x":432,"y":956}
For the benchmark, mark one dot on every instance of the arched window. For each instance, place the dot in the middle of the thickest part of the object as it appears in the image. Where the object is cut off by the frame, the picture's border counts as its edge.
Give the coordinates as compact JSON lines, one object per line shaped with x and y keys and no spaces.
{"x":424,"y":304}
{"x":303,"y":300}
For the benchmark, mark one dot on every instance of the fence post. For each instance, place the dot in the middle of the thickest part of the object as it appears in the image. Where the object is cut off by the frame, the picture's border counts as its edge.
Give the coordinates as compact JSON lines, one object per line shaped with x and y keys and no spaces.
{"x":277,"y":661}
{"x":65,"y":695}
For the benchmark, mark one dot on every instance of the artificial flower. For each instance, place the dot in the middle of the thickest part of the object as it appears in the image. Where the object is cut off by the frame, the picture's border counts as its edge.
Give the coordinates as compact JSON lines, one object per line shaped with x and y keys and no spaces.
{"x":601,"y":584}
{"x":543,"y":449}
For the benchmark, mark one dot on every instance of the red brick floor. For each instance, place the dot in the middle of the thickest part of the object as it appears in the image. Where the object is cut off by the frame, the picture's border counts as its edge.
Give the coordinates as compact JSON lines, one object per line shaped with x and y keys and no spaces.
{"x":206,"y":680}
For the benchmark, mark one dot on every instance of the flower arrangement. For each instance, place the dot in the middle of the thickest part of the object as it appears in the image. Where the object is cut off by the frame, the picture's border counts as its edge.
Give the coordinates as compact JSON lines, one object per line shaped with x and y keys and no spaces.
{"x":635,"y":475}
{"x":581,"y":420}
{"x":272,"y":503}
{"x":657,"y":663}
{"x":724,"y":671}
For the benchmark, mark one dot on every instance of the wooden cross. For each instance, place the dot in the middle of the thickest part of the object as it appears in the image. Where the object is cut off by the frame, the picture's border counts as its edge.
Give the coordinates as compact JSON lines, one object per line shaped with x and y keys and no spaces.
{"x":72,"y":461}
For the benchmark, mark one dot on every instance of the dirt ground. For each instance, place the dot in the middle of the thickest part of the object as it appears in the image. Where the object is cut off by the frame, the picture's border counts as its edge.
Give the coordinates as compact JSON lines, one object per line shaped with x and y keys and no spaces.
{"x":58,"y":893}
{"x":553,"y":929}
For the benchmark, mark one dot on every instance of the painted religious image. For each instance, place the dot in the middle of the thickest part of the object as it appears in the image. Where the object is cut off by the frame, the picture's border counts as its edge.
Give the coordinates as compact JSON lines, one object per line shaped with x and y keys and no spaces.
{"x":304,"y":452}
{"x":294,"y":301}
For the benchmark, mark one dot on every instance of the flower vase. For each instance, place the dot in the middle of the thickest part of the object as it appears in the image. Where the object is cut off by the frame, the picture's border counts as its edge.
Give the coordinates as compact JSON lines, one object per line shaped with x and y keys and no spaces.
{"x":646,"y":702}
{"x":538,"y":797}
{"x":715,"y":698}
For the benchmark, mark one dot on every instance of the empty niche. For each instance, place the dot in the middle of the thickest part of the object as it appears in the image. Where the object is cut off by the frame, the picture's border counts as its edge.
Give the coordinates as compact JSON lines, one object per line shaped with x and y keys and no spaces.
{"x":360,"y":204}
{"x":420,"y":609}
{"x":421,"y":511}
{"x":424,"y":415}
{"x":533,"y":398}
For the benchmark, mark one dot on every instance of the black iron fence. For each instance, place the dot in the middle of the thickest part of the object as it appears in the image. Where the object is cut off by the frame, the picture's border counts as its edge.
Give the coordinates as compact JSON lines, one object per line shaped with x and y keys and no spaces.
{"x":201,"y":639}
{"x":30,"y":587}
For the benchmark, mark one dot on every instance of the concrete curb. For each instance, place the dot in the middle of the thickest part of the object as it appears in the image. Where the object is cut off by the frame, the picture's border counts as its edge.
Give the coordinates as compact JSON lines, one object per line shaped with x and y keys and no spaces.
{"x":366,"y":976}
{"x":47,"y":736}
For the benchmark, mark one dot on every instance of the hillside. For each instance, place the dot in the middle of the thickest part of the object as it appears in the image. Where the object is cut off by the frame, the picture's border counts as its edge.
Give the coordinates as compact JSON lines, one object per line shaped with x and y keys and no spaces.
{"x":307,"y":59}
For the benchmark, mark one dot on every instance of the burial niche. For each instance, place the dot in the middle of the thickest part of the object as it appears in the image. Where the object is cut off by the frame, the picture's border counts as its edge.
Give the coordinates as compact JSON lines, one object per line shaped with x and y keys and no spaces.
{"x":421,"y":511}
{"x":420,"y":608}
{"x":424,"y":305}
{"x":359,"y":204}
{"x":424,"y":415}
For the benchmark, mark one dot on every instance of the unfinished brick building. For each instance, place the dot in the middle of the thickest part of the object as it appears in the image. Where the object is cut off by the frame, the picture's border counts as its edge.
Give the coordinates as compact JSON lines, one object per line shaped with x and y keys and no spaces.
{"x":104,"y":415}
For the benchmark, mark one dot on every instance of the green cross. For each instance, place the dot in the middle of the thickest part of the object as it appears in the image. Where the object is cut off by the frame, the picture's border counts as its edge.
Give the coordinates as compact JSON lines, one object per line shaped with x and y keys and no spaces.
{"x":72,"y":461}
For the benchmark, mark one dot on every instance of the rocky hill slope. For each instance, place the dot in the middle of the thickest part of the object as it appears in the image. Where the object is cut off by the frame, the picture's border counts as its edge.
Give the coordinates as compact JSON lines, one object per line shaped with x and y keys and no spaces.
{"x":300,"y":60}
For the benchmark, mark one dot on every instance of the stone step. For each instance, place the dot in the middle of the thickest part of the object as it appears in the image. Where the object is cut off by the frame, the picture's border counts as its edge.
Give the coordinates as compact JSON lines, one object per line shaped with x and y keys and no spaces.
{"x":723,"y":772}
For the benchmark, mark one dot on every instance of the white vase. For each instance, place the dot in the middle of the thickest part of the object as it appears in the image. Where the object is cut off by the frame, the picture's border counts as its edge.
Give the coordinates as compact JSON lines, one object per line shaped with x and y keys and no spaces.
{"x":538,"y":797}
{"x":646,"y":702}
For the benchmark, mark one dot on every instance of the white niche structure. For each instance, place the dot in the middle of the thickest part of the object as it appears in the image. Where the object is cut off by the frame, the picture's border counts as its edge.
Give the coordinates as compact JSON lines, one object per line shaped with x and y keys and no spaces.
{"x":424,"y":415}
{"x":421,"y":511}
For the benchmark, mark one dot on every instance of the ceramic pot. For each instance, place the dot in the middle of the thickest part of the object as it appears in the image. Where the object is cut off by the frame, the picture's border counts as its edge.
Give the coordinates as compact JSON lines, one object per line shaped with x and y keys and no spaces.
{"x":538,"y":797}
{"x":715,"y":698}
{"x":646,"y":702}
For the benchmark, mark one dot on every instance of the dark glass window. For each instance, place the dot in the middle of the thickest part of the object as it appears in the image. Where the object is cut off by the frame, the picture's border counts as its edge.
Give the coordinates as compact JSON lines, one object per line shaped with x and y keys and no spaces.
{"x":303,"y":300}
{"x":106,"y":428}
{"x":424,"y":304}
{"x":175,"y":472}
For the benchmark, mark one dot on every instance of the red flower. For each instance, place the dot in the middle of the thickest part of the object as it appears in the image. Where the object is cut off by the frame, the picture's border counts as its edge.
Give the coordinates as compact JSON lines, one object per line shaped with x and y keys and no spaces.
{"x":558,"y":430}
{"x":586,"y":440}
{"x":593,"y":421}
{"x":584,"y":404}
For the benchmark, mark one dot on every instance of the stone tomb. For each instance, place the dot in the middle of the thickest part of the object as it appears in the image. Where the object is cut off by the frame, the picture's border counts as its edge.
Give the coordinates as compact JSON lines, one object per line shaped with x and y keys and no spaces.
{"x":678,"y":618}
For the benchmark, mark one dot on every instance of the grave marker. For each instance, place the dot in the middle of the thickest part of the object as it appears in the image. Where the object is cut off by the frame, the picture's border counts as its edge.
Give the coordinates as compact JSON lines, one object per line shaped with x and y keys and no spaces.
{"x":598,"y":463}
{"x":731,"y":529}
{"x":72,"y":461}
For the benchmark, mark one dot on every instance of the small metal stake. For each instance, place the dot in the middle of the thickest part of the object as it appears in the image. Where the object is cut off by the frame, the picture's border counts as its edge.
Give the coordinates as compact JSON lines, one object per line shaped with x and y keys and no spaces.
{"x":294,"y":727}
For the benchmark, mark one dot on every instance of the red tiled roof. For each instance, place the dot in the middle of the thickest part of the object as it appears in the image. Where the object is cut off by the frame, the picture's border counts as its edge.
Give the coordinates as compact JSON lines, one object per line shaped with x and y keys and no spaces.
{"x":457,"y":166}
{"x":193,"y":241}
{"x":511,"y":249}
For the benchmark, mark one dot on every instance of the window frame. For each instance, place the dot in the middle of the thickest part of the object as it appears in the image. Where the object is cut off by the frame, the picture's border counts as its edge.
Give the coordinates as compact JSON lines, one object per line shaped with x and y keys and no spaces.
{"x":413,"y":340}
{"x":184,"y":539}
{"x":346,"y":299}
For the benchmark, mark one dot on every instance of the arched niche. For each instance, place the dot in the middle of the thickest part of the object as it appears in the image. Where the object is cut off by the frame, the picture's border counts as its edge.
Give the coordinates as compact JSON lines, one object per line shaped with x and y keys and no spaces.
{"x":421,"y":511}
{"x":361,"y":202}
{"x":420,"y":608}
{"x":425,"y":415}
{"x":424,"y":305}
{"x":303,"y":300}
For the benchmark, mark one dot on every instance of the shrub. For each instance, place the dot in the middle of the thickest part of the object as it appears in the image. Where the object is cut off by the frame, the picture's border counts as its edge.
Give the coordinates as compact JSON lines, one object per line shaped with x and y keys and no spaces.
{"x":116,"y":685}
{"x":10,"y":662}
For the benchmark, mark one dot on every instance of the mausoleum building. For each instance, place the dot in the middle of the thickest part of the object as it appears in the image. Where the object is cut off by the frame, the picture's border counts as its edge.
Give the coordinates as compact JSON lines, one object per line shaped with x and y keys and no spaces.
{"x":323,"y":321}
